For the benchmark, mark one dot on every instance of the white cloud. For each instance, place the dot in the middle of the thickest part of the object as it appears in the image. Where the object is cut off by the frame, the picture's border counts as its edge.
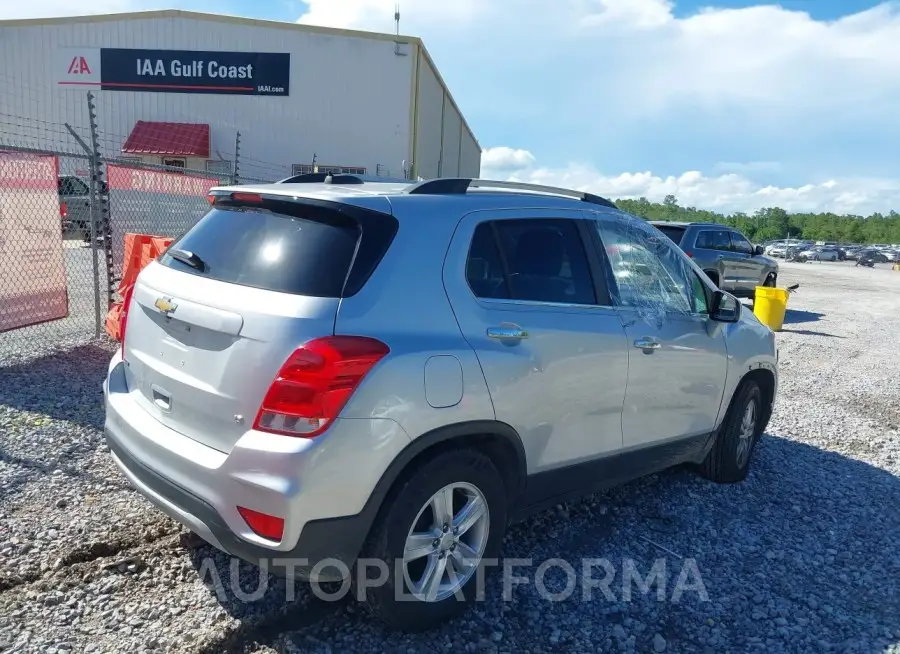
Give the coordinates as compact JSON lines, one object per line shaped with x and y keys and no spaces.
{"x":633,"y":84}
{"x":758,"y":54}
{"x":726,"y":193}
{"x":506,"y":159}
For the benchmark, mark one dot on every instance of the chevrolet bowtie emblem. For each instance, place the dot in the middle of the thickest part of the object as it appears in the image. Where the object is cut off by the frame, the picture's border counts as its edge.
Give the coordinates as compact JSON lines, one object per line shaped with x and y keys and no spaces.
{"x":165,"y":304}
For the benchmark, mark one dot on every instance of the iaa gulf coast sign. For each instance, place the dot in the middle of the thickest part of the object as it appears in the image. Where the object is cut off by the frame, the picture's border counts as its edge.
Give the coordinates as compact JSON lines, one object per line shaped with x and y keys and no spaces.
{"x":175,"y":71}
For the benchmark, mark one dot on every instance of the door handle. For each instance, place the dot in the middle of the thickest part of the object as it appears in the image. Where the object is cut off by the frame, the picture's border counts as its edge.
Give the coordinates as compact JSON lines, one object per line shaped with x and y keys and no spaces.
{"x":507,"y":332}
{"x":647,"y":344}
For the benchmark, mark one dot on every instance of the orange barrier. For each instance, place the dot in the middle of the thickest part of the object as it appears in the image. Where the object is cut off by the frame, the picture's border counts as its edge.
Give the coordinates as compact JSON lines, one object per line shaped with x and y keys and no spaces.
{"x":139,"y":250}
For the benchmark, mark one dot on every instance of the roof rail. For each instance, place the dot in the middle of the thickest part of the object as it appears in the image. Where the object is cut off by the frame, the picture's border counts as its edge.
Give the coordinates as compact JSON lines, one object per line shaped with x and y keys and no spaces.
{"x":321,"y":178}
{"x":461,"y":185}
{"x":339,"y":178}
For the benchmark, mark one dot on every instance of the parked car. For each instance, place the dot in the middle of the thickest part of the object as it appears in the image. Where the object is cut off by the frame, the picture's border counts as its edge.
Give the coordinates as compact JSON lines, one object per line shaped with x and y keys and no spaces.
{"x":75,"y":197}
{"x":780,"y":248}
{"x":313,"y":373}
{"x":776,"y":249}
{"x":75,"y":204}
{"x":821,"y":253}
{"x":725,"y":255}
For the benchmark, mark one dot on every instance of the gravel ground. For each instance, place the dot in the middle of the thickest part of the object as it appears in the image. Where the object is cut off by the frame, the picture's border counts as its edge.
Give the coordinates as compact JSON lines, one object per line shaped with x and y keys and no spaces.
{"x":803,"y":556}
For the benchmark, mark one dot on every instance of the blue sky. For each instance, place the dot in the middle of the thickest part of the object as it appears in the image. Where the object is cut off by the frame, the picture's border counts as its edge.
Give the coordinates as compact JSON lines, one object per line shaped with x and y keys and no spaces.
{"x":731,"y":104}
{"x":728,"y":104}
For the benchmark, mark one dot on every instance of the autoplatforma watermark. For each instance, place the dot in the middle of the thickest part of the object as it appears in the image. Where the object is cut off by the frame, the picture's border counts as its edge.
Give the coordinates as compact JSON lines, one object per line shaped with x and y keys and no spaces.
{"x":587,"y":580}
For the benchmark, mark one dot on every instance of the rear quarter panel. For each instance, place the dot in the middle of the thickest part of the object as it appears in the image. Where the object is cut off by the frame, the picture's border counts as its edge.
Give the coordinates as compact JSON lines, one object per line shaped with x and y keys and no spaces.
{"x":404,"y":305}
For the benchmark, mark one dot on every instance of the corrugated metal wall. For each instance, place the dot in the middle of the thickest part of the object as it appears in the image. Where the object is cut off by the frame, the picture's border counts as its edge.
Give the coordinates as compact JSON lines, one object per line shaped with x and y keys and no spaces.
{"x":444,"y":147}
{"x":469,"y":156}
{"x":349,"y":96}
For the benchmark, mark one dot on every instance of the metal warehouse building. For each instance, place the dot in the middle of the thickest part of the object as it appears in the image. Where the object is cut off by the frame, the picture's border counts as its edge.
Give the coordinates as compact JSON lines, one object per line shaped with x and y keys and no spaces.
{"x":176,"y":88}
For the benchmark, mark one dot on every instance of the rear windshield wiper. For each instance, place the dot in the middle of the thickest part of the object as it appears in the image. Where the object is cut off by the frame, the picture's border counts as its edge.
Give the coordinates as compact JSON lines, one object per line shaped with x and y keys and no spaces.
{"x":189,"y":258}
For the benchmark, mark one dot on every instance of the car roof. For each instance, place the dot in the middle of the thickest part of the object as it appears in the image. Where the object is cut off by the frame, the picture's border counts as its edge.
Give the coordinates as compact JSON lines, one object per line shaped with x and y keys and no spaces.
{"x":357,"y":190}
{"x":674,"y":223}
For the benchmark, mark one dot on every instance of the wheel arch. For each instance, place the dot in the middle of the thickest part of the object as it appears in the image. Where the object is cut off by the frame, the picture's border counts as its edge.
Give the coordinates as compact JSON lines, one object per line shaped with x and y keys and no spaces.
{"x":496,"y":440}
{"x":765,"y":378}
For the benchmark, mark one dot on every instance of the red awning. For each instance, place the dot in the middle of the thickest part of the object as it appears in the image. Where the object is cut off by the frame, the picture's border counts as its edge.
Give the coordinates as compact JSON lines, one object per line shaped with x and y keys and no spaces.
{"x":175,"y":139}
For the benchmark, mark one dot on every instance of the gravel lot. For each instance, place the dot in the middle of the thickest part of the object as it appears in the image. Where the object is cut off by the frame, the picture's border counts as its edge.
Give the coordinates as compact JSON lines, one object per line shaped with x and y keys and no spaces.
{"x":803,"y":556}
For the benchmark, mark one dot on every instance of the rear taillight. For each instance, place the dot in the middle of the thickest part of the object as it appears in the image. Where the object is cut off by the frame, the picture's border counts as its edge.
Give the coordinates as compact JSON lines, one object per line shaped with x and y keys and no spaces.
{"x":315,"y":383}
{"x":63,"y":210}
{"x":254,"y":198}
{"x":126,"y":301}
{"x":689,"y":253}
{"x":263,"y":524}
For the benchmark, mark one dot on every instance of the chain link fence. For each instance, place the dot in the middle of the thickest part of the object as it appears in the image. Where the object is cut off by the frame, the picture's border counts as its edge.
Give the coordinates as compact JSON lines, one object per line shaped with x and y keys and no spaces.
{"x":69,"y":193}
{"x":52,"y":279}
{"x":68,"y":196}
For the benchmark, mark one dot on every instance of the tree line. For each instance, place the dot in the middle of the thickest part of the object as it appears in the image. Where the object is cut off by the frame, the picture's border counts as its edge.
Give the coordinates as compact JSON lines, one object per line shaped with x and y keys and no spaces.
{"x":774,"y":222}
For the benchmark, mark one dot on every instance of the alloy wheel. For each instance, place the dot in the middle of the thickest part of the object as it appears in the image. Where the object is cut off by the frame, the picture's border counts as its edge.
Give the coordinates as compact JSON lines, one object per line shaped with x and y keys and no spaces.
{"x":446,"y":542}
{"x":746,"y":434}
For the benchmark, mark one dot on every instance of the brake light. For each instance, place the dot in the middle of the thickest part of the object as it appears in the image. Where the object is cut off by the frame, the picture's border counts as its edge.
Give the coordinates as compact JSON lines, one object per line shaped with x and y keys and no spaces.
{"x":126,"y":301}
{"x":211,"y":198}
{"x":263,"y":524}
{"x":247,"y":197}
{"x":63,"y":210}
{"x":689,"y":253}
{"x":315,"y":383}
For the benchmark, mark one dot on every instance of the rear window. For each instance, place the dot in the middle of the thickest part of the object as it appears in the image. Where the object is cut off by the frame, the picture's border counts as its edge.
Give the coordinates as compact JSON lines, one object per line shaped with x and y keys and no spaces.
{"x":674,"y":233}
{"x":309,"y":252}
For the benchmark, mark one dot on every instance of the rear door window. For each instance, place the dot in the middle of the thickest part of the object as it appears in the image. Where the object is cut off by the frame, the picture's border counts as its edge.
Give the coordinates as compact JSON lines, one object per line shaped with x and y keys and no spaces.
{"x":531,"y":260}
{"x":484,"y":267}
{"x":72,"y":186}
{"x":705,"y":240}
{"x":309,"y":251}
{"x":714,"y":239}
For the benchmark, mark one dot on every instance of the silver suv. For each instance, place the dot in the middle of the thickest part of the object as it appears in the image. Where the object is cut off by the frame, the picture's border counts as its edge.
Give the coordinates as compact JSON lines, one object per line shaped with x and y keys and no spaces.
{"x":732,"y":262}
{"x":324,"y":374}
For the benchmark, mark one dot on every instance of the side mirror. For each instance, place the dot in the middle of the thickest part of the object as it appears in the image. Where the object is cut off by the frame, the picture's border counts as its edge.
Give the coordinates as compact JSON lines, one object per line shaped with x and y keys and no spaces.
{"x":725,"y":307}
{"x":758,"y":250}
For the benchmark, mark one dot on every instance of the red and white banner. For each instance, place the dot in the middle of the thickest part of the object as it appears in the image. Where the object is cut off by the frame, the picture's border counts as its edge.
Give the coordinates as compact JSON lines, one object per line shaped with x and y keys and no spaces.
{"x":153,"y":181}
{"x":33,"y":286}
{"x":143,"y":201}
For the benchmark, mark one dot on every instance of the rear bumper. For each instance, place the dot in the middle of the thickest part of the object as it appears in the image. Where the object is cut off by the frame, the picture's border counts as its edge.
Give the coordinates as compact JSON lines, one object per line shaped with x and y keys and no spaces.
{"x":337,"y":541}
{"x":321,"y":492}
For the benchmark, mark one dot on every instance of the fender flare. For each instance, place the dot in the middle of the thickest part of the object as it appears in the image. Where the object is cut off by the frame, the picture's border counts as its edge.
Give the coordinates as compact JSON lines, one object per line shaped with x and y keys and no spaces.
{"x":463,"y":433}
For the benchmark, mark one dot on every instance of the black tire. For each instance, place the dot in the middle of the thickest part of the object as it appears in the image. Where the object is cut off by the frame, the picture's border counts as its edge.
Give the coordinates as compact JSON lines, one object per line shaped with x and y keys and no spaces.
{"x":397,"y":607}
{"x":713,"y":276}
{"x":722,"y":464}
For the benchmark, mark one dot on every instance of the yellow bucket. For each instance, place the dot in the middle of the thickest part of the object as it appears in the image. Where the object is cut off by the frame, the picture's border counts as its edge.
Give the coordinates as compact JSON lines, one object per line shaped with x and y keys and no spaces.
{"x":770,"y":306}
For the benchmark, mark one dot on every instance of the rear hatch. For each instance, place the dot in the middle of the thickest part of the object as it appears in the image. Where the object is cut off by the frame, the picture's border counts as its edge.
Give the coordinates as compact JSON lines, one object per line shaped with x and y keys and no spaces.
{"x":212,"y":322}
{"x":674,"y":232}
